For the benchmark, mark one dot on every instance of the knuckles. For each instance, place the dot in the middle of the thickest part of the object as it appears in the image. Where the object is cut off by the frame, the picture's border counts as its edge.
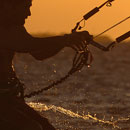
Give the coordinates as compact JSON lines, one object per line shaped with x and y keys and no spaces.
{"x":83,"y":36}
{"x":78,"y":38}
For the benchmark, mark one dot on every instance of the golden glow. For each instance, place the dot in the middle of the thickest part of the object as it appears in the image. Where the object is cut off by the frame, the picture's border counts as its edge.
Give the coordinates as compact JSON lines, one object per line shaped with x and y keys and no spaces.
{"x":61,"y":16}
{"x":43,"y":107}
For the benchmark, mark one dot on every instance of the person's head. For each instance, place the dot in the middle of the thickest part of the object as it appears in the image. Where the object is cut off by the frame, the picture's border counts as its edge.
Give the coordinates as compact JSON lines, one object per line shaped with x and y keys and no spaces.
{"x":14,"y":12}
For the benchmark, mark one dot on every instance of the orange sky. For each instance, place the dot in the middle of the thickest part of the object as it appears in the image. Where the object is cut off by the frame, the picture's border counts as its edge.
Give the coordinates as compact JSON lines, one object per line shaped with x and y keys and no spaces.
{"x":56,"y":16}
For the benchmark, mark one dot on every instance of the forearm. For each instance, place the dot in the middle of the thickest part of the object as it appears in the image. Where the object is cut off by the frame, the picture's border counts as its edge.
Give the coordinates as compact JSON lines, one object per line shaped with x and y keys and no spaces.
{"x":33,"y":44}
{"x":43,"y":48}
{"x":55,"y":43}
{"x":19,"y":40}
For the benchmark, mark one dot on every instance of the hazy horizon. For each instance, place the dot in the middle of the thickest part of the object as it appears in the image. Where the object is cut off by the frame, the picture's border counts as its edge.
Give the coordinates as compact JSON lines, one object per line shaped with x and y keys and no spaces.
{"x":61,"y":16}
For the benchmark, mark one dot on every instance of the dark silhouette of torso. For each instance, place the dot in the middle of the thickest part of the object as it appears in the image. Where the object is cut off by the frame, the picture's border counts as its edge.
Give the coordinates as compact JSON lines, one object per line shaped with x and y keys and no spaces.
{"x":17,"y":39}
{"x":8,"y":46}
{"x":6,"y":69}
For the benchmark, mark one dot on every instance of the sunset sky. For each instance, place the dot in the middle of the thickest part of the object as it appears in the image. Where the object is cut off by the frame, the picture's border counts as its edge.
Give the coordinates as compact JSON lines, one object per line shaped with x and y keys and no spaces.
{"x":57,"y":16}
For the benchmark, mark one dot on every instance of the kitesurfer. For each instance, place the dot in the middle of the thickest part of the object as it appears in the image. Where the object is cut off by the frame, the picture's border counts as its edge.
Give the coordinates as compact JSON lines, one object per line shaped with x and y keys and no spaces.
{"x":15,"y":114}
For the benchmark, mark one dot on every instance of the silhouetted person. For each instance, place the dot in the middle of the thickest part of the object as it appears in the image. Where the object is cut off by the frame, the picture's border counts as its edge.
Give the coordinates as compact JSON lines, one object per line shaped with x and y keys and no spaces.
{"x":15,"y":114}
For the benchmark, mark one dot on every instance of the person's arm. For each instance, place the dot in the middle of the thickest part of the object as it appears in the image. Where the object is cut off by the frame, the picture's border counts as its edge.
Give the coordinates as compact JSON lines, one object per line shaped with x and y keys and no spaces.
{"x":48,"y":47}
{"x":52,"y":45}
{"x":17,"y":39}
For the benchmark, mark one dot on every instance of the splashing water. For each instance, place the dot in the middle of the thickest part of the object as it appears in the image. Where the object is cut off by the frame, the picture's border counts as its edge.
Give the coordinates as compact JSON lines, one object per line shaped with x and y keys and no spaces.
{"x":43,"y":107}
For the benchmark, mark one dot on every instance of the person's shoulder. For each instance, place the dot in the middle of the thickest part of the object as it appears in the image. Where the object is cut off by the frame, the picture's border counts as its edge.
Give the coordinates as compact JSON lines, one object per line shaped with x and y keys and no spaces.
{"x":15,"y":33}
{"x":13,"y":30}
{"x":18,"y":30}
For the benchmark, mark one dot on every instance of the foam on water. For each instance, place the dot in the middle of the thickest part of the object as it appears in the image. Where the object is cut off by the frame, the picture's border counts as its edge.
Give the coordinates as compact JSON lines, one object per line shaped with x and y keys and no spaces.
{"x":43,"y":107}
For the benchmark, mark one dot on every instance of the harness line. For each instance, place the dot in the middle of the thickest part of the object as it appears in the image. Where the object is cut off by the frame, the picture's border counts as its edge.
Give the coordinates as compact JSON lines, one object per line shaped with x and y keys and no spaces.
{"x":83,"y":56}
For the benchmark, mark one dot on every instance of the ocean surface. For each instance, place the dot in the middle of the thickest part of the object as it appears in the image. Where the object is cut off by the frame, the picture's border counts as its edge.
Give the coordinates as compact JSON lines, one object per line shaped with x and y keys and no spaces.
{"x":96,"y":98}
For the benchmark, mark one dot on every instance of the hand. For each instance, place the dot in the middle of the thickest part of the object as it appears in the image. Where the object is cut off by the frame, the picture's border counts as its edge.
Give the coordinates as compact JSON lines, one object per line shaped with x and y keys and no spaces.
{"x":78,"y":38}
